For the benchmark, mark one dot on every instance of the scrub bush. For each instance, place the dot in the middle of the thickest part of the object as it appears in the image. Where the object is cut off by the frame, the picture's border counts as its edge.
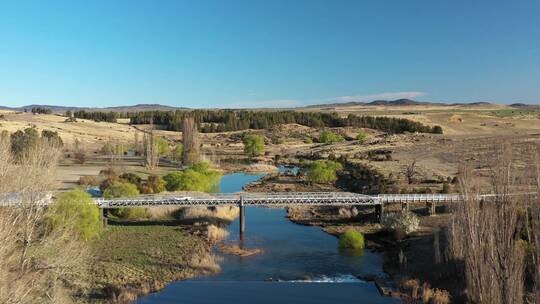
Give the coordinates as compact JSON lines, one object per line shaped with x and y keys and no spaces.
{"x":351,"y":240}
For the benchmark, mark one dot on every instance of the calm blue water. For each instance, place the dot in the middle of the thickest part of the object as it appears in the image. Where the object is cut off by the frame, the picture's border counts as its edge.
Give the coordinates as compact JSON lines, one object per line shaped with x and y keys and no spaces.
{"x":234,"y":182}
{"x":299,"y":264}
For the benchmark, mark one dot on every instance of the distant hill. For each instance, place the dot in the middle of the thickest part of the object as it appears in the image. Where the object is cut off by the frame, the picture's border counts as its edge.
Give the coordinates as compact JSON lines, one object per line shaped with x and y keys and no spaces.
{"x":134,"y":108}
{"x":397,"y":102}
{"x":524,"y":106}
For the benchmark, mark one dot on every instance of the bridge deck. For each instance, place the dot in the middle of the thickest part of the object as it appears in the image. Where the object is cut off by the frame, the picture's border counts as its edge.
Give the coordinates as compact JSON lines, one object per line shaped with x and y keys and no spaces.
{"x":273,"y":199}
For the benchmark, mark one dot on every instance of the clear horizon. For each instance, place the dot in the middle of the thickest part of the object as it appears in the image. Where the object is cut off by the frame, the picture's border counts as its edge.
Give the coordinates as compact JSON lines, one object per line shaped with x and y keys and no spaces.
{"x":249,"y":54}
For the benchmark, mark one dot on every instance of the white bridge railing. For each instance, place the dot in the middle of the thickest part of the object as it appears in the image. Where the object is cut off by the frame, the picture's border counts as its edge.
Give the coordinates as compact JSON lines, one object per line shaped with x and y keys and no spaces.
{"x":412,"y":198}
{"x":250,"y":198}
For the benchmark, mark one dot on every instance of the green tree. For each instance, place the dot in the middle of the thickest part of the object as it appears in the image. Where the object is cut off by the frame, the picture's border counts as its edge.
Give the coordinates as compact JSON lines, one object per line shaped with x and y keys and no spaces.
{"x":23,"y":141}
{"x":75,"y":209}
{"x":253,"y":144}
{"x":329,"y":137}
{"x":323,"y":171}
{"x":199,"y":177}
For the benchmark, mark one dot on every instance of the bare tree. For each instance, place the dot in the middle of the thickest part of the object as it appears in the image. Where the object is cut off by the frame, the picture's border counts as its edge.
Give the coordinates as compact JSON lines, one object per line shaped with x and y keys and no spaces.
{"x":535,"y":225}
{"x":483,"y":235}
{"x":151,"y":155}
{"x":36,"y":263}
{"x":79,"y":153}
{"x":190,"y":136}
{"x":410,"y":172}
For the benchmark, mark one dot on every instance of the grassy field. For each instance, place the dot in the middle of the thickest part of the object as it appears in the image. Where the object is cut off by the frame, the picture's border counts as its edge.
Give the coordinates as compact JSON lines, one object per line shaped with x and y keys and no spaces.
{"x":137,"y":258}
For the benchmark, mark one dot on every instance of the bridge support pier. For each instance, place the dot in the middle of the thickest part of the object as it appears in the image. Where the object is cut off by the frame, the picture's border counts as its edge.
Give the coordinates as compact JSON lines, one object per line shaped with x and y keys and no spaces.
{"x":379,"y":212}
{"x":242,"y":218}
{"x":103,"y":214}
{"x":431,"y":206}
{"x":405,"y":206}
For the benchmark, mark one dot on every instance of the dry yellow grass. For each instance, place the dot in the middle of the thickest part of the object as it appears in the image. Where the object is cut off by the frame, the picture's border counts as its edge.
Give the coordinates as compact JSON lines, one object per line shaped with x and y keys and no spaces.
{"x":161,"y":212}
{"x":206,"y":263}
{"x":216,"y":234}
{"x":226,"y":213}
{"x":90,"y":133}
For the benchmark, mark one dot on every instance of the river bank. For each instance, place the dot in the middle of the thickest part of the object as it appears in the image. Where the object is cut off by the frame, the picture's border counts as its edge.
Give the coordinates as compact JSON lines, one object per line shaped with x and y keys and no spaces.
{"x":134,"y":259}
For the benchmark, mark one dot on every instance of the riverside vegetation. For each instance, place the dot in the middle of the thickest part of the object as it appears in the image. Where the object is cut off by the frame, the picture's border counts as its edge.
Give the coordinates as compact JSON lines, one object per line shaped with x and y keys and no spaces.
{"x":61,"y":254}
{"x":480,"y":252}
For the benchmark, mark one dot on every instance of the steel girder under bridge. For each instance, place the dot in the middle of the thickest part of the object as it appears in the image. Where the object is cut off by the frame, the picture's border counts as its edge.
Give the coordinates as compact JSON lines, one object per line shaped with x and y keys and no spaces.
{"x":275,"y":199}
{"x":254,"y":199}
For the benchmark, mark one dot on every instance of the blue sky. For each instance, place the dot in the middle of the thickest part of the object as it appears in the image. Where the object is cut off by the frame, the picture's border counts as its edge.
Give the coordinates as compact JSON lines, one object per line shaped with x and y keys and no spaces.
{"x":267,"y":53}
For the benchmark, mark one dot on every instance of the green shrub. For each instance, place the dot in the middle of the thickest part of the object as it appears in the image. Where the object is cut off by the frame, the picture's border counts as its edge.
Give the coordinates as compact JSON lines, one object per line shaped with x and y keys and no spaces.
{"x":351,"y":240}
{"x":178,"y":152}
{"x":309,"y":140}
{"x":174,"y":181}
{"x":131,"y":178}
{"x":361,"y":137}
{"x":253,"y":144}
{"x":120,"y":189}
{"x":156,"y":183}
{"x":199,"y":177}
{"x":445,"y":188}
{"x":437,"y":130}
{"x":323,"y":171}
{"x":162,"y":146}
{"x":53,"y":137}
{"x":329,"y":137}
{"x":75,"y":210}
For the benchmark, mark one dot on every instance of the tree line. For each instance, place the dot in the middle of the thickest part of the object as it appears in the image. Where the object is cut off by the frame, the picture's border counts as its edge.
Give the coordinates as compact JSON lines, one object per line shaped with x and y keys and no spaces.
{"x":97,"y":116}
{"x":234,"y":120}
{"x":40,"y":110}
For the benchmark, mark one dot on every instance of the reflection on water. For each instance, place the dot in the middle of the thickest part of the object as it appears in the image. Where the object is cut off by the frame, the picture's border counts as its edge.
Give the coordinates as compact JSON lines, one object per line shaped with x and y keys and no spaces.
{"x":299,"y":264}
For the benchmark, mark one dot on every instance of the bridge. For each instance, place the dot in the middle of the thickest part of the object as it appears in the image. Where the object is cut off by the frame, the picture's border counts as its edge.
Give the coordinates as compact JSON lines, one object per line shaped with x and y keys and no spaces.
{"x":272,"y":199}
{"x":278,"y":199}
{"x":282,"y":199}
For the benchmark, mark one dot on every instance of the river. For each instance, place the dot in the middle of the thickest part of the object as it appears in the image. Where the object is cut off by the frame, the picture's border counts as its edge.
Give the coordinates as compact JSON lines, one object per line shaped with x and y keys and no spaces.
{"x":299,"y":264}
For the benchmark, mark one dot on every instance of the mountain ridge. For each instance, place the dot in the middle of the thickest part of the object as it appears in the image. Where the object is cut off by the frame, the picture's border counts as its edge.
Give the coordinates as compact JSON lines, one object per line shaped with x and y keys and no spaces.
{"x":160,"y":107}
